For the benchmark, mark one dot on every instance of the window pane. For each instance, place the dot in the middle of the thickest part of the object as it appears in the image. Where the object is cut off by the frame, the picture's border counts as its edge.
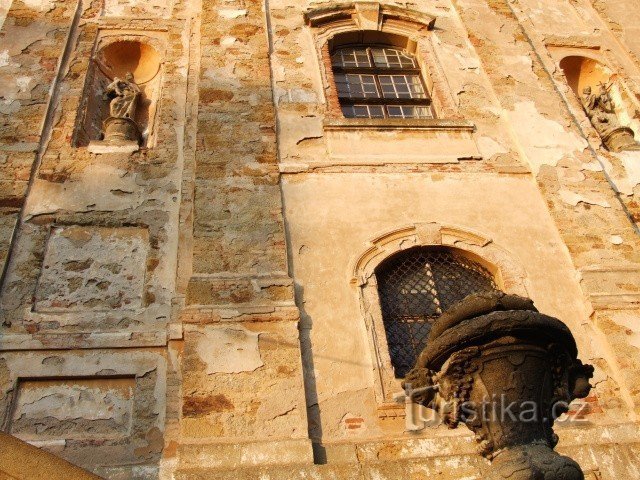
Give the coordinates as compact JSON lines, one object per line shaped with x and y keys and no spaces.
{"x":401,"y":86}
{"x":392,"y":58}
{"x":376,"y":111}
{"x":395,"y":111}
{"x":409,"y":111}
{"x":351,"y":57}
{"x":356,"y":86}
{"x":363,"y":111}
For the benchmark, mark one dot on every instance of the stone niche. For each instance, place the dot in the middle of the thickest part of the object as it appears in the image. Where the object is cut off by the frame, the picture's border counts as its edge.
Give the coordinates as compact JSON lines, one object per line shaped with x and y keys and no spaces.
{"x":93,"y":268}
{"x":116,"y":57}
{"x":605,"y":100}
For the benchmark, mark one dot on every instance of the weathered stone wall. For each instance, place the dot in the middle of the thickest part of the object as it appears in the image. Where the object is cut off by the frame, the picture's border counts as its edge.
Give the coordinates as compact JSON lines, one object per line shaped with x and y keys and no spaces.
{"x":536,"y":189}
{"x":206,"y":307}
{"x":241,"y":347}
{"x":88,"y":290}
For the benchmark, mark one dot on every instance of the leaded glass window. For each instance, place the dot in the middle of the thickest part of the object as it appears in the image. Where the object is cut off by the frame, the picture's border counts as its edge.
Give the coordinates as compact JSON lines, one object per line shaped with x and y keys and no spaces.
{"x":379,"y":82}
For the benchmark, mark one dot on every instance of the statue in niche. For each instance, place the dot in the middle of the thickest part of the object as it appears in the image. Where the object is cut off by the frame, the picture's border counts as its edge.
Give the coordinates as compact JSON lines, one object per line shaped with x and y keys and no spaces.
{"x":121,"y":129}
{"x":600,"y":110}
{"x":124,"y":96}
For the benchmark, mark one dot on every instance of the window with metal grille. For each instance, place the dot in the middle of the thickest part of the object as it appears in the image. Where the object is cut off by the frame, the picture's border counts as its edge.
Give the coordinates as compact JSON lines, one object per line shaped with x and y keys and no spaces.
{"x":379,"y":82}
{"x":415,"y":287}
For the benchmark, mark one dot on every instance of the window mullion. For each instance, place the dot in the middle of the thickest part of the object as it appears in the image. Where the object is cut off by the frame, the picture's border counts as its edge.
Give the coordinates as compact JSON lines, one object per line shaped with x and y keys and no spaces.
{"x":381,"y":94}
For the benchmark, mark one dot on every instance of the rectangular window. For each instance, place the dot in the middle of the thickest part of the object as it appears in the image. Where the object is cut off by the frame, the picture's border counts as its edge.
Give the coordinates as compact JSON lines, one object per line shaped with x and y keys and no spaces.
{"x":356,"y":86}
{"x":379,"y":82}
{"x":408,"y":111}
{"x":401,"y":86}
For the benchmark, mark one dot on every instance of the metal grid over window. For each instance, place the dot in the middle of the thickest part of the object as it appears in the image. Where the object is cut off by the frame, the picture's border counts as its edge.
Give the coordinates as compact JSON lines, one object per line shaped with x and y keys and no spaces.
{"x":368,"y":78}
{"x":415,"y":287}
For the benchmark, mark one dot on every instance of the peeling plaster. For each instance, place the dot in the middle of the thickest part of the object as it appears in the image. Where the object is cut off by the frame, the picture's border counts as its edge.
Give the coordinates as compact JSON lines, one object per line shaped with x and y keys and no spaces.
{"x":228,"y":41}
{"x":229,"y":350}
{"x":231,"y":14}
{"x":93,"y":190}
{"x":41,"y":5}
{"x":4,"y":58}
{"x":631,"y":163}
{"x":520,"y":67}
{"x":69,"y":402}
{"x":630,"y":323}
{"x":573,"y":198}
{"x":546,"y":142}
{"x":489,"y":147}
{"x":616,"y":239}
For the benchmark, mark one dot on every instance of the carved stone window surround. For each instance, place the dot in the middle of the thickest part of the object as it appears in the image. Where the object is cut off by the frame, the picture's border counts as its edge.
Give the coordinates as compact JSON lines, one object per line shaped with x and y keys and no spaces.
{"x":357,"y":18}
{"x":508,"y":275}
{"x":415,"y":141}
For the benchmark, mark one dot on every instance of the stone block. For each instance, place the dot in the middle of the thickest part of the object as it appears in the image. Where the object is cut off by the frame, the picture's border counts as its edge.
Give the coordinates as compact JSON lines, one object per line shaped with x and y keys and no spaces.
{"x":73,"y":409}
{"x":93,"y":268}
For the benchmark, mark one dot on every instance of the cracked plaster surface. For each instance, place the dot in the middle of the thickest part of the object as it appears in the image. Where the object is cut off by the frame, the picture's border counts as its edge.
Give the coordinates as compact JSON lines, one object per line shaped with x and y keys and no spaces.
{"x":229,"y":350}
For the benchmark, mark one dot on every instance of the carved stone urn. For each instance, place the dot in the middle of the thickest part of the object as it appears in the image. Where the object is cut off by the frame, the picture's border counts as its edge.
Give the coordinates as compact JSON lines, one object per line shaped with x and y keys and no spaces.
{"x":506,"y":371}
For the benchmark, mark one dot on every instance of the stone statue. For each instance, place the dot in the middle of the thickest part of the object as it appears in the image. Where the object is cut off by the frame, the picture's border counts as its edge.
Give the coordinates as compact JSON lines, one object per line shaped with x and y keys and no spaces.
{"x":124,"y":96}
{"x":507,"y":372}
{"x":120,"y":129}
{"x":600,"y":110}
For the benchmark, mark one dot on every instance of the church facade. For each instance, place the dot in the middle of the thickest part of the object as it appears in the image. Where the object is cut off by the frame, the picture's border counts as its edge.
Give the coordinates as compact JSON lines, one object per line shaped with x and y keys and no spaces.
{"x":228,"y":225}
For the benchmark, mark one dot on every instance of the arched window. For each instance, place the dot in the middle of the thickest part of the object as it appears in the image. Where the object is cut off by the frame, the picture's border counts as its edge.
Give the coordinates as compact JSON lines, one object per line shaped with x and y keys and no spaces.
{"x":379,"y":81}
{"x":415,"y":286}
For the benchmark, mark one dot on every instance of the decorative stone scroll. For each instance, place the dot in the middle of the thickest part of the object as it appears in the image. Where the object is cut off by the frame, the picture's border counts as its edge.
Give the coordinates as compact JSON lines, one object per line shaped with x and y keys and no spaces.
{"x":507,"y":372}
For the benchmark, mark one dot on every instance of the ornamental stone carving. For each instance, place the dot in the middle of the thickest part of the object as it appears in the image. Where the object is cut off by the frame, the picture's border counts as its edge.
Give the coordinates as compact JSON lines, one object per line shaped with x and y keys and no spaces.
{"x":600,"y":110}
{"x":507,"y":372}
{"x":123,"y":95}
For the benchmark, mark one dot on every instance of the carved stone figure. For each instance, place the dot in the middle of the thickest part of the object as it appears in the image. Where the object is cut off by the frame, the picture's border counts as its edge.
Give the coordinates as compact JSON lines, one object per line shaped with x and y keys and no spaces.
{"x":120,"y":127}
{"x":600,"y":110}
{"x":124,"y":96}
{"x":507,"y":372}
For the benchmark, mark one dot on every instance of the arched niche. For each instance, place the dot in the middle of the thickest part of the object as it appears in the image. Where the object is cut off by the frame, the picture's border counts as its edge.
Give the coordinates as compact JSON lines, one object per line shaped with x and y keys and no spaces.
{"x":115,"y":58}
{"x":582,"y":72}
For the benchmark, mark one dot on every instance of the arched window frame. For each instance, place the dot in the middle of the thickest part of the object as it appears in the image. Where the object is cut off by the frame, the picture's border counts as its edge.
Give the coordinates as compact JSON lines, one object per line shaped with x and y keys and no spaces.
{"x":403,"y":28}
{"x":508,"y":276}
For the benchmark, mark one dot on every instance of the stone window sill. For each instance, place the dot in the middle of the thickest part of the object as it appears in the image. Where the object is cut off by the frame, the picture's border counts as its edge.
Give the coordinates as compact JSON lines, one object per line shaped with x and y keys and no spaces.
{"x":399,"y":124}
